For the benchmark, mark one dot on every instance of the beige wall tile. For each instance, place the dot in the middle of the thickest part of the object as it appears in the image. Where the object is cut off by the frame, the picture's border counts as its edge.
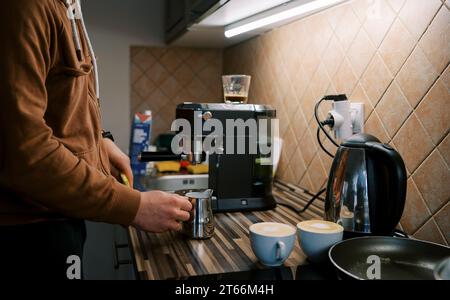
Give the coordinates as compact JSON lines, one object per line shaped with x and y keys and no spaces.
{"x":311,"y":64}
{"x":282,"y":166}
{"x":324,"y":31}
{"x":291,"y":103}
{"x":432,"y":179}
{"x":347,"y":27}
{"x":143,"y":58}
{"x":444,"y":149}
{"x":307,"y":148}
{"x":157,"y":52}
{"x":430,"y":232}
{"x":290,"y":176}
{"x":320,"y":82}
{"x":183,"y":75}
{"x":299,"y":81}
{"x":284,"y":121}
{"x":327,"y":161}
{"x":290,"y":143}
{"x":156,"y":100}
{"x":197,"y":61}
{"x":317,"y":174}
{"x":360,"y":53}
{"x":360,"y":96}
{"x":396,"y":4}
{"x":334,"y":15}
{"x":157,"y":73}
{"x":333,"y":57}
{"x":170,"y":87}
{"x":434,"y":112}
{"x":136,"y":73}
{"x":396,"y":47}
{"x":345,"y":79}
{"x":144,"y":86}
{"x":445,"y":77}
{"x":417,"y":15}
{"x":416,"y":77}
{"x":305,"y":183}
{"x":171,"y":60}
{"x":299,"y":124}
{"x":164,"y":77}
{"x":442,"y":219}
{"x":361,"y":9}
{"x":375,"y":127}
{"x":376,"y":79}
{"x":308,"y":103}
{"x":413,"y":143}
{"x":379,"y":19}
{"x":393,"y":109}
{"x":135,"y":100}
{"x":416,"y":211}
{"x":436,"y":40}
{"x":298,"y":166}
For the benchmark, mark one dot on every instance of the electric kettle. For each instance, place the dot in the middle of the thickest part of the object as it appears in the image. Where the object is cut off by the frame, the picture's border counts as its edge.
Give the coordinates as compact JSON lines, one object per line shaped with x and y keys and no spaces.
{"x":366,"y":190}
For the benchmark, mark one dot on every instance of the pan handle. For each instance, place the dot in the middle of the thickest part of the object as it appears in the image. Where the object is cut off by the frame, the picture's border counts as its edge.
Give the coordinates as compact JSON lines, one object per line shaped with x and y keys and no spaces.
{"x":400,"y":234}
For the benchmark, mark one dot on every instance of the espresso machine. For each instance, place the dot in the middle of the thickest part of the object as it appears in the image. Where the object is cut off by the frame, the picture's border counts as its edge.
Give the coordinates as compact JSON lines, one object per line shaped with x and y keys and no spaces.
{"x":241,"y":180}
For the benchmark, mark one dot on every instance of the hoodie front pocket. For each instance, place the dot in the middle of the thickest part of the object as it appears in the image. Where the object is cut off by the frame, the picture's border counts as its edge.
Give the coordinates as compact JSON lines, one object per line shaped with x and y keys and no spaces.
{"x":82,"y":70}
{"x":90,"y":156}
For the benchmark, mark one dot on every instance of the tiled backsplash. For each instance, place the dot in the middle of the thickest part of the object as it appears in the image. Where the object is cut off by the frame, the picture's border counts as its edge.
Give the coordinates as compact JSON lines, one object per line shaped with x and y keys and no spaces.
{"x":162,"y":78}
{"x":393,"y":55}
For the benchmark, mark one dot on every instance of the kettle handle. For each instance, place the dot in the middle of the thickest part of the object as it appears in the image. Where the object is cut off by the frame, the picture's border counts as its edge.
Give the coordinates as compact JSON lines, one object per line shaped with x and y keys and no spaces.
{"x":392,"y":204}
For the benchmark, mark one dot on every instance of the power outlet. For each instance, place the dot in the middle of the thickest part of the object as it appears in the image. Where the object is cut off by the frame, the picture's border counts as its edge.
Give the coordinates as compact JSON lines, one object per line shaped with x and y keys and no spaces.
{"x":358,"y":117}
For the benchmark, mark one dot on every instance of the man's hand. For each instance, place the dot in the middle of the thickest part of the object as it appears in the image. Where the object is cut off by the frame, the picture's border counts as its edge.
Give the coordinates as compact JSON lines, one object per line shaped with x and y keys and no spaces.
{"x":120,"y":162}
{"x":160,"y":212}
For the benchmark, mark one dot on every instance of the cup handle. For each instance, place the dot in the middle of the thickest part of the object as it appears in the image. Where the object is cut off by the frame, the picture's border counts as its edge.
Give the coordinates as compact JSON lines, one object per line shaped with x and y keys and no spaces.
{"x":281,"y":251}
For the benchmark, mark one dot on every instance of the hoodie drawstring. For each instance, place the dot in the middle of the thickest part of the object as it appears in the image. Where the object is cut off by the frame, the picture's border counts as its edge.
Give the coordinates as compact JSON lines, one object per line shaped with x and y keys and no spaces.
{"x":76,"y":37}
{"x":75,"y":34}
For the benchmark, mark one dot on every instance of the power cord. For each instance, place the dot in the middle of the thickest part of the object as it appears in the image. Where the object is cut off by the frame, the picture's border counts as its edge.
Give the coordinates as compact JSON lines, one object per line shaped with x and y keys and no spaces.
{"x":306,"y":206}
{"x":328,"y":122}
{"x":321,"y":145}
{"x":312,"y":200}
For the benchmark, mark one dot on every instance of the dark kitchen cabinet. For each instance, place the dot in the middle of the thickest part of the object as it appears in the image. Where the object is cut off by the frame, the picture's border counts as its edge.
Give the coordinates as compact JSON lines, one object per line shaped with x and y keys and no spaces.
{"x":181,"y":14}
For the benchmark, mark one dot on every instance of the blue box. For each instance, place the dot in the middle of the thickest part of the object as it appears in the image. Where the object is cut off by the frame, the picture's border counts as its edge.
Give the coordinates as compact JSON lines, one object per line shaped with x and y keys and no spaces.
{"x":141,"y":134}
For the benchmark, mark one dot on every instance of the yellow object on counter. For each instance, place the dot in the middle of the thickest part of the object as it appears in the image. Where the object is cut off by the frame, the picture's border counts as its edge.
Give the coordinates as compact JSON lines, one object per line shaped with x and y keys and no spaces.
{"x":125,"y":180}
{"x":168,"y":166}
{"x":198,"y":169}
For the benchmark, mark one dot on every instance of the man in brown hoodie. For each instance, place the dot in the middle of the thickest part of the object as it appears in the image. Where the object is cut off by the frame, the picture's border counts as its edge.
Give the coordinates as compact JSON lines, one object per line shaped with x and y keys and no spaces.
{"x":55,"y":162}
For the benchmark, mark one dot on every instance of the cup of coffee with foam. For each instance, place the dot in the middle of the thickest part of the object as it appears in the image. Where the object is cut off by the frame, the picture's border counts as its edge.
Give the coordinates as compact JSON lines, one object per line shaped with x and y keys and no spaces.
{"x":317,"y":237}
{"x":272,"y":243}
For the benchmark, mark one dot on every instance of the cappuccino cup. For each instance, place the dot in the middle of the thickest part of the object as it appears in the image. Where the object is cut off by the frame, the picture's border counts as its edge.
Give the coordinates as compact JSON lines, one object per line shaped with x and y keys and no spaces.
{"x":272,"y":243}
{"x":317,"y":237}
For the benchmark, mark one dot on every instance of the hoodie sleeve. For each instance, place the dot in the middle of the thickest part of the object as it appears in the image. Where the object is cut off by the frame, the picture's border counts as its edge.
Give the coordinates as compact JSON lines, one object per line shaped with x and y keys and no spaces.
{"x":33,"y":163}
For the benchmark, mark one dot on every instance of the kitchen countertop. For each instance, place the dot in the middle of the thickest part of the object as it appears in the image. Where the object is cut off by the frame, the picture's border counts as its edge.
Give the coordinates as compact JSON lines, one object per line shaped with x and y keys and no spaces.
{"x":173,"y":256}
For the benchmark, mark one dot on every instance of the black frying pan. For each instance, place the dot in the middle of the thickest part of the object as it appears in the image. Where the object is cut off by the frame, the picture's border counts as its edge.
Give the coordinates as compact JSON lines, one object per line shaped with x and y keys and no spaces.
{"x":400,"y":259}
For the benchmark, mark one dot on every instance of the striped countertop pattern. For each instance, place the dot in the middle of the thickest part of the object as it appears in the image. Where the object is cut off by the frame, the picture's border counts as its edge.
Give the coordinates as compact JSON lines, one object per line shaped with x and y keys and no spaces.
{"x":172,"y":256}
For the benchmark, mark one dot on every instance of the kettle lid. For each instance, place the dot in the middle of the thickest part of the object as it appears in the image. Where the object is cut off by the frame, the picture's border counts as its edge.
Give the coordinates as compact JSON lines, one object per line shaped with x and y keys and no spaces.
{"x":360,"y":141}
